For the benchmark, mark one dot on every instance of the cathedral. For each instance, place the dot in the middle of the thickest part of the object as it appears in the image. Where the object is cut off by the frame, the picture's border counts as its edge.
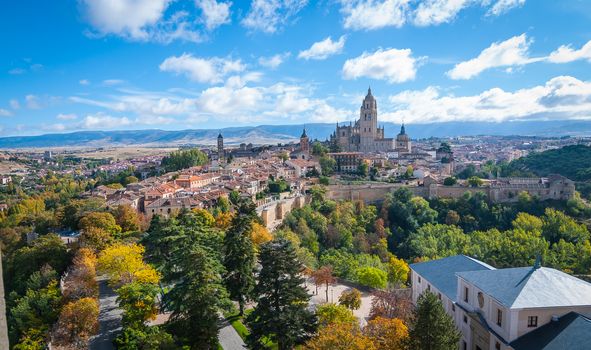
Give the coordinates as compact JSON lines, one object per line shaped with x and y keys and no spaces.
{"x":365,"y":135}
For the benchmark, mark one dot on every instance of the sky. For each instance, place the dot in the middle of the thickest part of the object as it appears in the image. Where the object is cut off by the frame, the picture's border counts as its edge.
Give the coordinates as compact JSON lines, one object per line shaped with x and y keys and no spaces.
{"x":73,"y":65}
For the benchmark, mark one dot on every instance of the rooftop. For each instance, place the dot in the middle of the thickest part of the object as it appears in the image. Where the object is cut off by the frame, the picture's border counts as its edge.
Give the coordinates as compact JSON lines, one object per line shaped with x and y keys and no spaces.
{"x":570,"y":331}
{"x":528,"y":287}
{"x":442,"y":272}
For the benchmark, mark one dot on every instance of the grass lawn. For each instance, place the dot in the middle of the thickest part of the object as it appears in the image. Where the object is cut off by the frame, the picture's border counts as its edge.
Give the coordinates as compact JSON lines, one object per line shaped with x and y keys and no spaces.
{"x":237,"y":322}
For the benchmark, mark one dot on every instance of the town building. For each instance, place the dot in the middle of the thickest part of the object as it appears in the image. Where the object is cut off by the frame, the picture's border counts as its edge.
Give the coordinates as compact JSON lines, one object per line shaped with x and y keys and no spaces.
{"x":365,"y":135}
{"x":499,"y":309}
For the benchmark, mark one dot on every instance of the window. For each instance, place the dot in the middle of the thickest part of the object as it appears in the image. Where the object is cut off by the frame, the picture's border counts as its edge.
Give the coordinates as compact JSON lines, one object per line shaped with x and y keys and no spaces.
{"x":453,"y":307}
{"x":497,"y":346}
{"x":465,"y":319}
{"x":532,"y":321}
{"x":464,"y":345}
{"x":429,"y":287}
{"x":466,"y":294}
{"x":499,"y":318}
{"x":419,"y":279}
{"x":439,"y":296}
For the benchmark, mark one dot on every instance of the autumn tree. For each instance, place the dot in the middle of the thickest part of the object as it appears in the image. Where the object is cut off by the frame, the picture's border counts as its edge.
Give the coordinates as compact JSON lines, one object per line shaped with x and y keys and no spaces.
{"x":103,"y":220}
{"x":123,"y":263}
{"x":324,"y":276}
{"x":372,"y":277}
{"x":96,"y":239}
{"x":351,"y":299}
{"x":281,"y":314}
{"x":398,"y":271}
{"x":127,"y":218}
{"x":332,"y":313}
{"x":395,"y":303}
{"x":78,"y":321}
{"x":138,"y":301}
{"x":259,"y":234}
{"x":387,"y":333}
{"x":80,"y":281}
{"x":431,"y":327}
{"x":340,"y":336}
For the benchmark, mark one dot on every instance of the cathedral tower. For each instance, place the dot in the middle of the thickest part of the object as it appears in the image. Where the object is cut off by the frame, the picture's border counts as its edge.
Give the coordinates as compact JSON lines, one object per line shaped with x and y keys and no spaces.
{"x":220,"y":147}
{"x":368,"y":122}
{"x":304,"y":142}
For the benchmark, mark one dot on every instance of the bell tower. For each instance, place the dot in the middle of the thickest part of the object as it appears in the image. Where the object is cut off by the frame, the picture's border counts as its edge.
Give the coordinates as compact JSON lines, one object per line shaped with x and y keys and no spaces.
{"x":368,"y":122}
{"x":220,"y":147}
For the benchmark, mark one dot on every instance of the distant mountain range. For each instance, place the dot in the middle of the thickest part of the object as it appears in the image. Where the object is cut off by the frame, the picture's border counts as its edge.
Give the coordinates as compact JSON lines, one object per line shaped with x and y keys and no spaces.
{"x":269,"y":134}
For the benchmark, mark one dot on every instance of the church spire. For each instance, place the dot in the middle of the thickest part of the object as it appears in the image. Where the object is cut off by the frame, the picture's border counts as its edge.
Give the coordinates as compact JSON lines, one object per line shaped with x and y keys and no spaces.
{"x":402,"y":129}
{"x":369,"y":91}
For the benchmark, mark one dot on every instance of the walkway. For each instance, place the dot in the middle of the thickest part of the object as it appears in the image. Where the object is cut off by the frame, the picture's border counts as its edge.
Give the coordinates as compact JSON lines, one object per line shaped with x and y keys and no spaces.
{"x":109,"y":318}
{"x":229,"y":338}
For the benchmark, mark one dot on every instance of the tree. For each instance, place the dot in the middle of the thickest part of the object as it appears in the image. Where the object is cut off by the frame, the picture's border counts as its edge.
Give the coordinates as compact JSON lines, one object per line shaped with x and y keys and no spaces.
{"x":341,"y":336}
{"x":123,"y":263}
{"x":145,"y":338}
{"x":127,"y":218}
{"x":332,"y":313}
{"x":103,"y":220}
{"x":96,"y":239}
{"x":351,"y":299}
{"x":452,"y":217}
{"x":435,"y":241}
{"x":432,"y":328}
{"x":138,"y":301}
{"x":130,"y":180}
{"x":327,"y":165}
{"x":475,"y":181}
{"x":450,"y":181}
{"x":239,"y":259}
{"x":281,"y":314}
{"x":372,"y":277}
{"x":363,"y":169}
{"x":80,"y":281}
{"x":77,"y":322}
{"x":398,"y":271}
{"x":183,"y":159}
{"x":387,"y":333}
{"x":203,"y":217}
{"x":557,"y":225}
{"x":324,"y":276}
{"x":198,"y":298}
{"x":394,"y":303}
{"x":259,"y":234}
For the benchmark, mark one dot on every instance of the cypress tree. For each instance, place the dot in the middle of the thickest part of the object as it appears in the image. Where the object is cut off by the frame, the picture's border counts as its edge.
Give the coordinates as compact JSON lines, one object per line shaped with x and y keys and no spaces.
{"x":281,"y":314}
{"x":432,"y":328}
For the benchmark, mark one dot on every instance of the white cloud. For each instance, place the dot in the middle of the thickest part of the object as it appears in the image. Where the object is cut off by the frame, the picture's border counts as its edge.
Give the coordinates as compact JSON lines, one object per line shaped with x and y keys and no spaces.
{"x":229,"y":101}
{"x":269,"y":16}
{"x":215,"y":13}
{"x":274,"y":61}
{"x":392,"y":65}
{"x":5,"y":113}
{"x":322,"y":49}
{"x":104,"y":121}
{"x":566,"y":53}
{"x":562,"y":97}
{"x":32,"y":102}
{"x":69,"y":116}
{"x":84,"y":82}
{"x":141,"y":20}
{"x":203,"y":70}
{"x":17,"y":71}
{"x":509,"y":53}
{"x":113,"y":82}
{"x":14,"y":104}
{"x":434,"y":12}
{"x":502,"y":6}
{"x":374,"y":14}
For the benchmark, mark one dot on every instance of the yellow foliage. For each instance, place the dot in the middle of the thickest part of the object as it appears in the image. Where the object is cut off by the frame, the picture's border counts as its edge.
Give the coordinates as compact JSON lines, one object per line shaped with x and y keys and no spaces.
{"x":259,"y":234}
{"x":387,"y":333}
{"x":78,"y":321}
{"x":223,"y":220}
{"x":123,"y":263}
{"x":340,"y":336}
{"x":398,"y":270}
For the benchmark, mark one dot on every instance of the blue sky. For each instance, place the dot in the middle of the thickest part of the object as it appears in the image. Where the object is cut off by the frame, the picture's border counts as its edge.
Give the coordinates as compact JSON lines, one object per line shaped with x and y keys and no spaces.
{"x":135,"y":64}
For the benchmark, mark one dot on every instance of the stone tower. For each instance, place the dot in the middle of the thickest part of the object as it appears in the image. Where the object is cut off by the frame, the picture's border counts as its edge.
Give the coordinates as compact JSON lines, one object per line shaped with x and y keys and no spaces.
{"x":368,"y":122}
{"x":304,"y":142}
{"x":403,"y":141}
{"x":220,"y":147}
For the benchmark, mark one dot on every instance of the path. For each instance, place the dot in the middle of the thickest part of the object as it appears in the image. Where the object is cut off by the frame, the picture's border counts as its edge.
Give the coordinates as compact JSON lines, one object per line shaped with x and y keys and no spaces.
{"x":109,"y":318}
{"x":229,"y":338}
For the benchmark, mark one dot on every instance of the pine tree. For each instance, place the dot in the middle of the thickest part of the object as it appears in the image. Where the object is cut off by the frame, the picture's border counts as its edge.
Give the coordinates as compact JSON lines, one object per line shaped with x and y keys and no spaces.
{"x":281,"y":314}
{"x":239,"y":260}
{"x":432,"y":328}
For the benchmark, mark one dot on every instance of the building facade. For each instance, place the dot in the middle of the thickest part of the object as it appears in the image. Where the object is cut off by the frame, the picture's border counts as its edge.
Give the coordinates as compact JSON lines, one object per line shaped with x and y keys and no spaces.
{"x":365,"y":135}
{"x":497,"y":309}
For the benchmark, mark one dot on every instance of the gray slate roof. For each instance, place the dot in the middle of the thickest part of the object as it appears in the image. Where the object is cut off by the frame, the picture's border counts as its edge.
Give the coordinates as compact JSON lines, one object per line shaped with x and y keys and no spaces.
{"x":528,"y":287}
{"x":572,"y":331}
{"x":441,"y":273}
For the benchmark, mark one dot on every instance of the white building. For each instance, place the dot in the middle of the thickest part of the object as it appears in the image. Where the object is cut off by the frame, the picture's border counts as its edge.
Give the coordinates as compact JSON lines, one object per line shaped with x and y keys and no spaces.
{"x":499,"y":309}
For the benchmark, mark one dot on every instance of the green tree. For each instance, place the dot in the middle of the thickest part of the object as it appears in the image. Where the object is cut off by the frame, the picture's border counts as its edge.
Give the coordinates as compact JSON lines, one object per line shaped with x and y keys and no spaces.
{"x":103,"y":220}
{"x":281,"y":314}
{"x":363,"y":169}
{"x":183,"y":159}
{"x":351,"y":299}
{"x":332,"y":313}
{"x":138,"y":301}
{"x":372,"y":277}
{"x":437,"y":241}
{"x":431,"y":328}
{"x":450,"y":181}
{"x":239,"y":259}
{"x":475,"y":181}
{"x":327,"y":165}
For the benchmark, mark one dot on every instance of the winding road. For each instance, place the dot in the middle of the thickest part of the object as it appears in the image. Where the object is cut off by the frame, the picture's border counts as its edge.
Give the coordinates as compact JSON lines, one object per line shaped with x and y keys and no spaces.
{"x":109,"y":317}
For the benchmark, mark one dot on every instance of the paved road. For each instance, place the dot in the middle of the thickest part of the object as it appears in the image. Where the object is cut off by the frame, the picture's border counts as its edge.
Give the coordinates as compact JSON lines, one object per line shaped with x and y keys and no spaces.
{"x":109,"y":318}
{"x":229,"y":338}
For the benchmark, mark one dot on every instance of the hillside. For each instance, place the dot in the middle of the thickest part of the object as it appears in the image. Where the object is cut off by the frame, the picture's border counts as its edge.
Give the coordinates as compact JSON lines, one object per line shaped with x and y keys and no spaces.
{"x":573,"y":162}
